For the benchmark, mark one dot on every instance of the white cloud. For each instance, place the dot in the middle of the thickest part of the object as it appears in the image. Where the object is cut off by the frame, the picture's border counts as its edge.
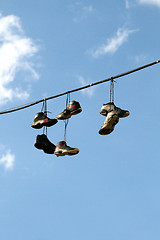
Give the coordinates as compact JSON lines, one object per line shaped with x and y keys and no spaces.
{"x":15,"y":51}
{"x":114,"y":43}
{"x":151,"y":2}
{"x":7,"y":160}
{"x":88,"y":91}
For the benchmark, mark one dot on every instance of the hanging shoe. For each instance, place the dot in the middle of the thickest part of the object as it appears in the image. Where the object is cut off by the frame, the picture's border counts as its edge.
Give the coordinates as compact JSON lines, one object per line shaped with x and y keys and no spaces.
{"x":109,"y":107}
{"x":108,"y":126}
{"x":43,"y":143}
{"x":41,"y":120}
{"x":62,"y":149}
{"x":73,"y":108}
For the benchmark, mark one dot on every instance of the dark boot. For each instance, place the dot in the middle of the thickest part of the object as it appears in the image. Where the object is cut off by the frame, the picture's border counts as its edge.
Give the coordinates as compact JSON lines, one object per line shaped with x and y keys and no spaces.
{"x":43,"y":143}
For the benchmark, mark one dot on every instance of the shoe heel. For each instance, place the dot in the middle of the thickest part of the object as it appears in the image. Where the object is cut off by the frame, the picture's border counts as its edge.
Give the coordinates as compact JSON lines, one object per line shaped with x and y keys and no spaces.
{"x":36,"y":126}
{"x":49,"y":151}
{"x":39,"y":146}
{"x":59,"y":153}
{"x":76,"y":111}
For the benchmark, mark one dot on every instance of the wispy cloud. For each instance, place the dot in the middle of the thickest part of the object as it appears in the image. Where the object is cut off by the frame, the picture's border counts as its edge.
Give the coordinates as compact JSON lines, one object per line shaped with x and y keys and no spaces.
{"x":113,"y":44}
{"x":131,"y":3}
{"x":15,"y":51}
{"x":127,"y":3}
{"x":88,"y":91}
{"x":80,"y":11}
{"x":150,"y":2}
{"x":88,"y":8}
{"x":7,"y":160}
{"x":140,"y":58}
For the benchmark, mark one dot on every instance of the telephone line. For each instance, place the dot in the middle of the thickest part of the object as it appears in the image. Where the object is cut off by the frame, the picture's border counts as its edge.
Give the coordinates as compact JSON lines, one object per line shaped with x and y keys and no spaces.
{"x":78,"y":89}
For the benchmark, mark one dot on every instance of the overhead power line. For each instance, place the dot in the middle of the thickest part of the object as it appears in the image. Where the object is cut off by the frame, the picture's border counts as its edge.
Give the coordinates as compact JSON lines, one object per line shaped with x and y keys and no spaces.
{"x":14,"y":109}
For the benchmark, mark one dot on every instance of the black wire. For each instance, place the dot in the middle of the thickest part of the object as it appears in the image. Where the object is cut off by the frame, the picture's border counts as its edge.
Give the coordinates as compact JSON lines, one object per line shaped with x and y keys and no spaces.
{"x":78,"y":89}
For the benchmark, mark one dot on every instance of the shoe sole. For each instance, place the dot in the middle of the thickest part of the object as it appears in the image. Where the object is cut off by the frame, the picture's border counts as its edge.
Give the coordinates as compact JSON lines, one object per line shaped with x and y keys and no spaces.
{"x":124,"y":114}
{"x":37,"y":125}
{"x":105,"y":131}
{"x":69,"y":115}
{"x":44,"y":124}
{"x":110,"y":125}
{"x":63,"y":153}
{"x":41,"y":147}
{"x":76,"y":111}
{"x":63,"y":118}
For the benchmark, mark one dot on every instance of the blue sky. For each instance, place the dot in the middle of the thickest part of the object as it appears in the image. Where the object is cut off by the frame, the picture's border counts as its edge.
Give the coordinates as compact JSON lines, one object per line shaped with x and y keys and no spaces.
{"x":110,"y":190}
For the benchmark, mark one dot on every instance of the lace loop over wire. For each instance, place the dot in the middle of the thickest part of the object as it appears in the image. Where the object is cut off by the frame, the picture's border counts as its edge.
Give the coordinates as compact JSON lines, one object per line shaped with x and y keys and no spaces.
{"x":44,"y":108}
{"x":66,"y":121}
{"x":112,"y":90}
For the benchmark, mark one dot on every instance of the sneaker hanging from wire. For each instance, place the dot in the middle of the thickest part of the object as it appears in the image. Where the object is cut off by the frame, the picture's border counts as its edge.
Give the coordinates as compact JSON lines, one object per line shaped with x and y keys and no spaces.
{"x":62,"y":149}
{"x":43,"y":143}
{"x":41,"y":120}
{"x":73,"y":108}
{"x":108,"y":126}
{"x":109,"y":107}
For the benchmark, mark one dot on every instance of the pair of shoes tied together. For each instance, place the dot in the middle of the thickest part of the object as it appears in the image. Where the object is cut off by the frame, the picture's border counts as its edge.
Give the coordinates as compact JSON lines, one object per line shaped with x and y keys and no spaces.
{"x":61,"y":149}
{"x":41,"y":120}
{"x":112,"y":114}
{"x":73,"y":108}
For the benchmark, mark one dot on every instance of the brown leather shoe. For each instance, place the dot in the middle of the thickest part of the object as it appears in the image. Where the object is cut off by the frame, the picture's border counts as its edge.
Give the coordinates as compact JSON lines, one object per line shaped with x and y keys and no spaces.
{"x":41,"y":120}
{"x":109,"y":107}
{"x":73,"y":108}
{"x":108,"y":126}
{"x":62,"y":149}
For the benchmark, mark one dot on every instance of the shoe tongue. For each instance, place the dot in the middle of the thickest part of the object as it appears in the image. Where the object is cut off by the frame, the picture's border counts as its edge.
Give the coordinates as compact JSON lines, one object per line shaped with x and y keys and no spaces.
{"x":43,"y":135}
{"x":71,"y":102}
{"x":38,"y":115}
{"x":44,"y":115}
{"x":62,"y":143}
